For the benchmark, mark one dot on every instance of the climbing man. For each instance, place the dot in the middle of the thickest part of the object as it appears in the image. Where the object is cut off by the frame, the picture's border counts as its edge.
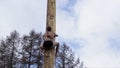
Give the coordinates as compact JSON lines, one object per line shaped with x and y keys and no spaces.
{"x":49,"y":37}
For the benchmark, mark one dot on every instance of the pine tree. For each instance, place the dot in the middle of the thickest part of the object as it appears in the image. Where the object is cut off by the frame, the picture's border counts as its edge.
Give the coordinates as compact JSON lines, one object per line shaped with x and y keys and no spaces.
{"x":31,"y":54}
{"x":24,"y":52}
{"x":3,"y":55}
{"x":9,"y":50}
{"x":66,"y":58}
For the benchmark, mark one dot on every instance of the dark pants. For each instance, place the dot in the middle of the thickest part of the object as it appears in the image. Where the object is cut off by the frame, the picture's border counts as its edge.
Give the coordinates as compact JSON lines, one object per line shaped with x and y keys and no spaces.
{"x":47,"y":44}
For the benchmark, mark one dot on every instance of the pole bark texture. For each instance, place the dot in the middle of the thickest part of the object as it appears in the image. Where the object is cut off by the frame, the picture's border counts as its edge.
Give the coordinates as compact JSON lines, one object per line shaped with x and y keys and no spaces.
{"x":51,"y":22}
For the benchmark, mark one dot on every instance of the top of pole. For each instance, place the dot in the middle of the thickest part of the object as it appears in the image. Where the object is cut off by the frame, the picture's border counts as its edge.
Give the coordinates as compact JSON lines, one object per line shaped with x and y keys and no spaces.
{"x":51,"y":14}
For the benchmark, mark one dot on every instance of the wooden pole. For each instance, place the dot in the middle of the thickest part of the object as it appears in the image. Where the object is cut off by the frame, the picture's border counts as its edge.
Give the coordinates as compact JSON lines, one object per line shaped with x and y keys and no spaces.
{"x":51,"y":22}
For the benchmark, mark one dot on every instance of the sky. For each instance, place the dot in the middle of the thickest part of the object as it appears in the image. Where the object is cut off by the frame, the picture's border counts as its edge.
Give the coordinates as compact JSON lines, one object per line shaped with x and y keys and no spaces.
{"x":90,"y":27}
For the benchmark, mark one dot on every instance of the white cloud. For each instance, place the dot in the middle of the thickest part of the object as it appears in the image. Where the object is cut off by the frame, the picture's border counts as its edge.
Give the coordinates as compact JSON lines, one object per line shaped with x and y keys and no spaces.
{"x":97,"y":24}
{"x":22,"y":15}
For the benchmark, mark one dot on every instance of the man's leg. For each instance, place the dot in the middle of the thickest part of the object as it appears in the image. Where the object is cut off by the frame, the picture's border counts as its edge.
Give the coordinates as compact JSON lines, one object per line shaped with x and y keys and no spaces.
{"x":57,"y":48}
{"x":41,"y":48}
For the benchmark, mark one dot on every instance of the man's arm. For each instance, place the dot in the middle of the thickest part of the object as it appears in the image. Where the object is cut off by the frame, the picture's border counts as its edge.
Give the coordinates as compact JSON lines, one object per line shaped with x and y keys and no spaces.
{"x":44,"y":35}
{"x":55,"y":35}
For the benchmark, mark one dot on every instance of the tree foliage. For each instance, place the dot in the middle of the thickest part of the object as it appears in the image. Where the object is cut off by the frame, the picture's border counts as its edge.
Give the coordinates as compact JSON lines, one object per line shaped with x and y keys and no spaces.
{"x":9,"y":50}
{"x":66,"y":58}
{"x":24,"y":52}
{"x":31,"y":54}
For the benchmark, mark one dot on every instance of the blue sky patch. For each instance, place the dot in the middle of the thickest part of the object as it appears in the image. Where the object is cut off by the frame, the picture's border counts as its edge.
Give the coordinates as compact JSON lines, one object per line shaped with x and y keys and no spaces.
{"x":68,"y":7}
{"x":115,"y":43}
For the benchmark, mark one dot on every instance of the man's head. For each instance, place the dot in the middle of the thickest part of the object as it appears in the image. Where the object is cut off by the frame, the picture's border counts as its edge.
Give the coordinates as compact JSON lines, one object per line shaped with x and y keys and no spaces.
{"x":48,"y":28}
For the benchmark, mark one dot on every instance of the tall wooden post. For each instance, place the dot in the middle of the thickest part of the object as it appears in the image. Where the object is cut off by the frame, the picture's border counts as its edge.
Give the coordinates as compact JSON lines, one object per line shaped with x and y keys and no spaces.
{"x":51,"y":22}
